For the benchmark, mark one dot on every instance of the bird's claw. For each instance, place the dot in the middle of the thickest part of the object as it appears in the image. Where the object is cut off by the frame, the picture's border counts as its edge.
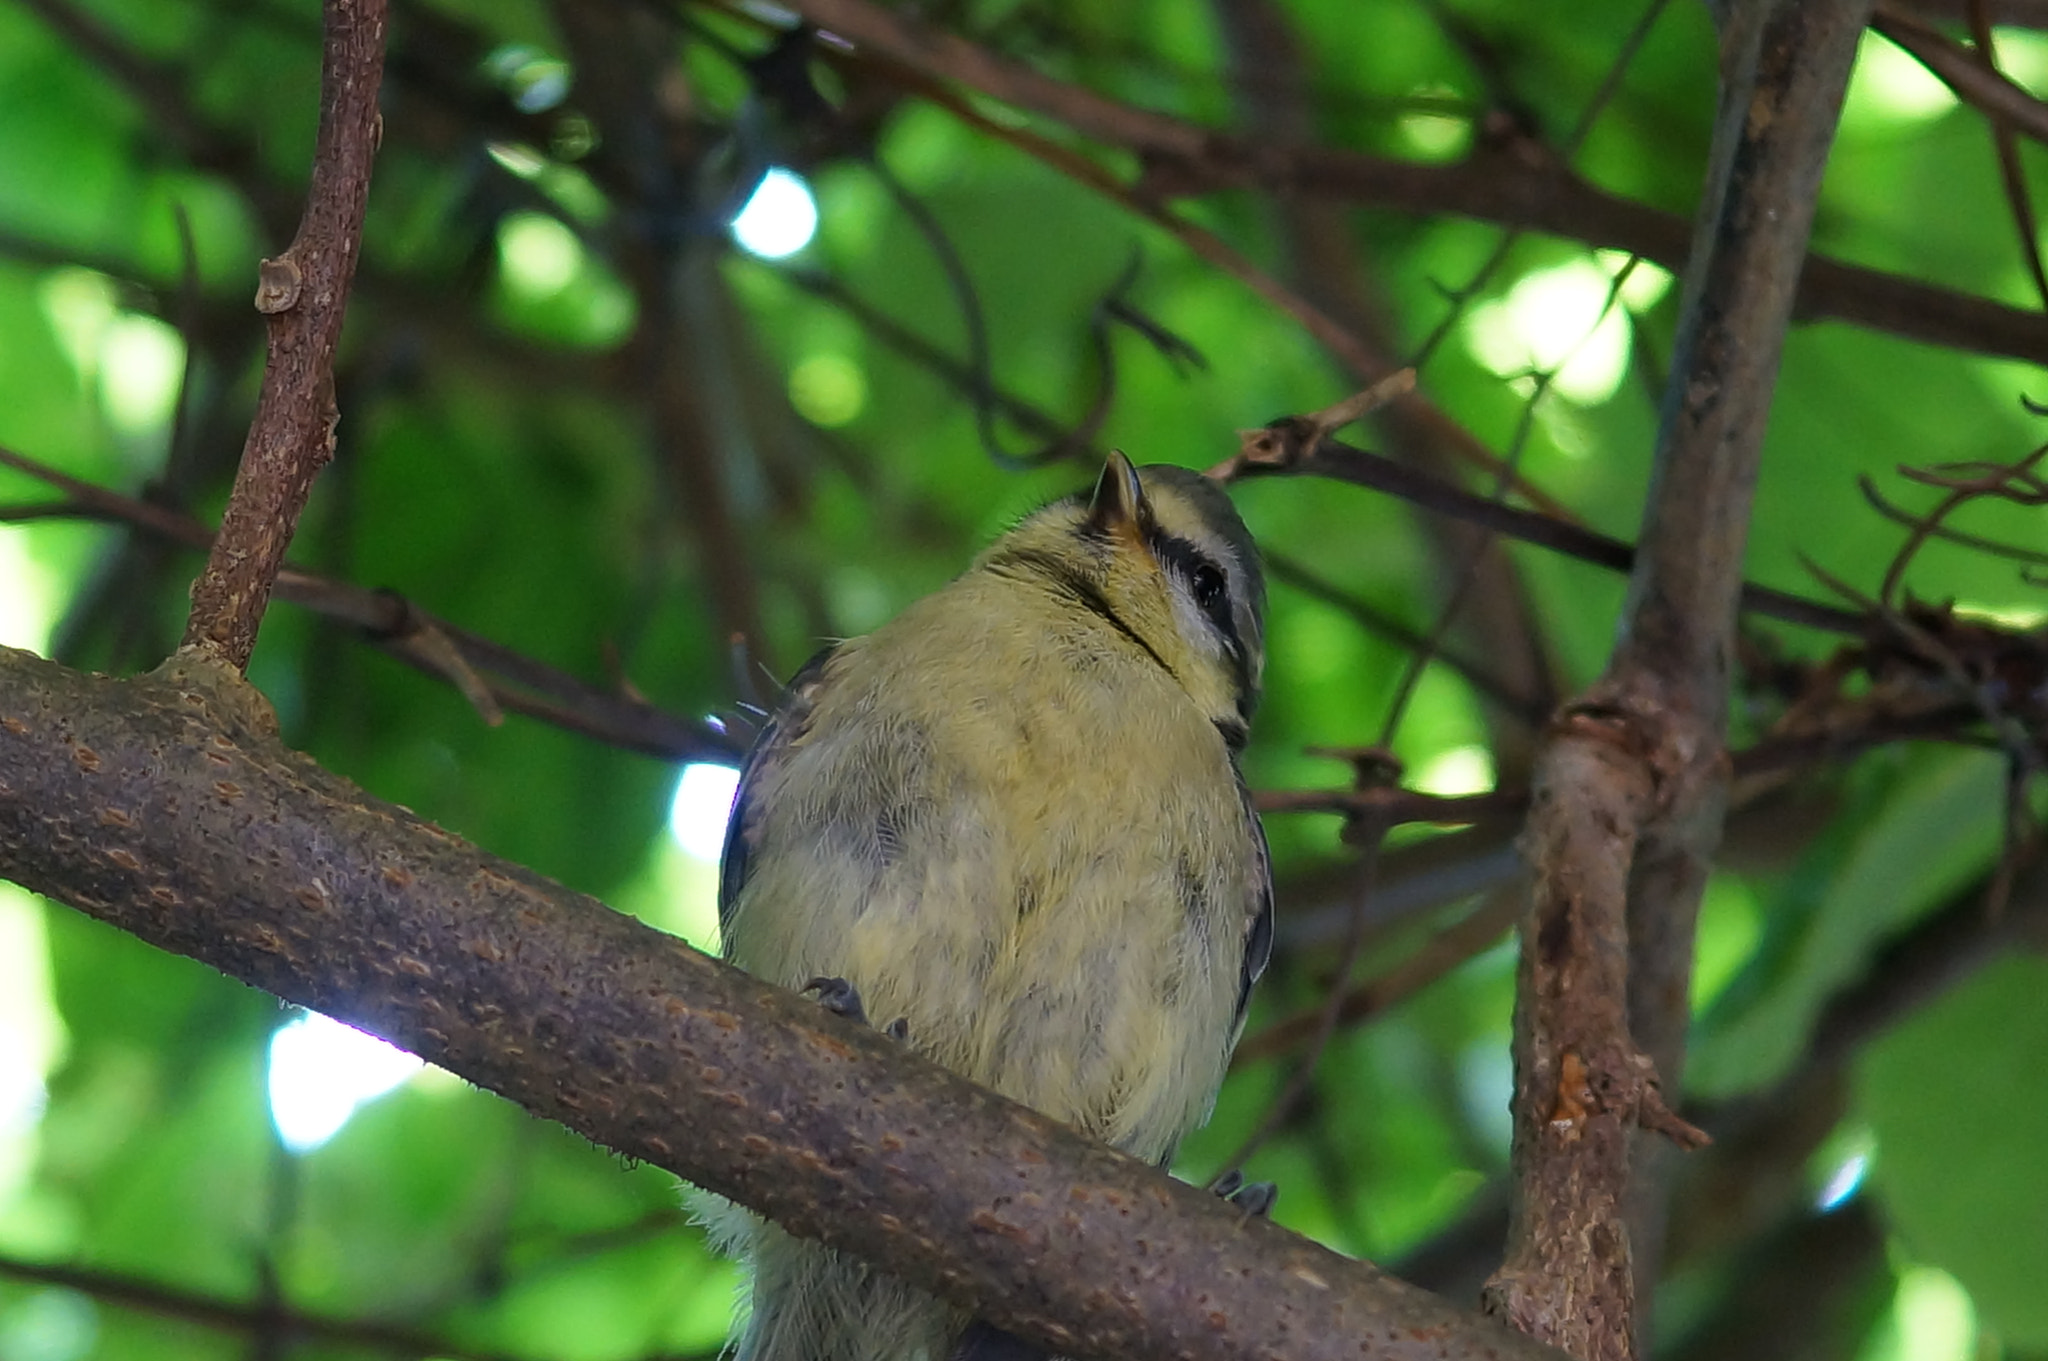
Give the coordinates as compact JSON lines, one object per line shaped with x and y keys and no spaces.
{"x":841,"y":998}
{"x":1255,"y":1198}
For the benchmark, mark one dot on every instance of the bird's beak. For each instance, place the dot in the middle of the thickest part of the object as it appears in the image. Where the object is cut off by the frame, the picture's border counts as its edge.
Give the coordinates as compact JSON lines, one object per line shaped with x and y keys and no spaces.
{"x":1119,"y":507}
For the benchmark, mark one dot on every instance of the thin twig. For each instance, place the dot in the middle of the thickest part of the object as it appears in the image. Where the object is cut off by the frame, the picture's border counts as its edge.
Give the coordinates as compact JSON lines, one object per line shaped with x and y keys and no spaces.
{"x":119,"y":1290}
{"x":1981,"y":86}
{"x":1285,"y":451}
{"x":395,"y":625}
{"x":1182,"y":157}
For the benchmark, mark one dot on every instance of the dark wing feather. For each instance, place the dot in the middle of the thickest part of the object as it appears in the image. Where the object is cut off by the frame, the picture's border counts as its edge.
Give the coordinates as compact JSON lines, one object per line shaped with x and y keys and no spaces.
{"x":1258,"y":939}
{"x":791,"y":718}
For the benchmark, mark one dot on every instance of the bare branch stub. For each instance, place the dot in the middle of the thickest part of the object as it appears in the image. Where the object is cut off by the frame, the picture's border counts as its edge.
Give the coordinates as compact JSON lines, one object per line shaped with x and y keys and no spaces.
{"x":1630,"y":784}
{"x":303,"y":294}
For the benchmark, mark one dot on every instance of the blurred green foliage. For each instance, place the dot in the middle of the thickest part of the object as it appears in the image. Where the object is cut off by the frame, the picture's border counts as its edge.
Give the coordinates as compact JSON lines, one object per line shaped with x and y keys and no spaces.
{"x":506,"y":461}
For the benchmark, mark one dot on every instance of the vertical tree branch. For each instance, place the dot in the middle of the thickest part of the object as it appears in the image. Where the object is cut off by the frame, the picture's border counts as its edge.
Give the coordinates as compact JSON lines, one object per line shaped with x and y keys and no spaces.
{"x":1631,"y":781}
{"x":303,"y":293}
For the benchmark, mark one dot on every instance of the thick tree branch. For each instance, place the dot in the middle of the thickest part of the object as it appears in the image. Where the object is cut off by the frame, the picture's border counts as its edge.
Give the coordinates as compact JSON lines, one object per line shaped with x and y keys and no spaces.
{"x":166,"y":806}
{"x":1629,"y":792}
{"x":303,"y":293}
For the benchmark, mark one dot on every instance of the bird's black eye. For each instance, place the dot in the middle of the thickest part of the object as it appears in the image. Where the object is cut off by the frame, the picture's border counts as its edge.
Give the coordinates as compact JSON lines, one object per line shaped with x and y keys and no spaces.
{"x":1208,"y":584}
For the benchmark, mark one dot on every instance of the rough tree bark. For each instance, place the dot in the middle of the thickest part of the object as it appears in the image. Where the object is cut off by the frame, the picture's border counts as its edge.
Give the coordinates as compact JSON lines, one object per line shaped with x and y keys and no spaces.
{"x":1630,"y":784}
{"x":166,"y":806}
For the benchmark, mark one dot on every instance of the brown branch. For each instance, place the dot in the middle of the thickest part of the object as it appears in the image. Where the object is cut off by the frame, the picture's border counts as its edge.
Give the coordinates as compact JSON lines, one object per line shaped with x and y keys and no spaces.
{"x":1966,"y":73}
{"x":1483,"y":600}
{"x":1383,"y":623}
{"x":122,"y":1291}
{"x":1391,"y":806}
{"x":1476,"y":931}
{"x":1282,"y":449}
{"x":1497,"y":187}
{"x":395,"y":625}
{"x":166,"y":806}
{"x":303,"y":293}
{"x":684,"y":354}
{"x":1631,"y":783}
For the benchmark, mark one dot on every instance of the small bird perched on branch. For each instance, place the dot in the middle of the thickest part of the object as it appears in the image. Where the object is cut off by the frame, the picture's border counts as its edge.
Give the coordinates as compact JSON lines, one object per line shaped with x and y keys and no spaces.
{"x":1013,"y":818}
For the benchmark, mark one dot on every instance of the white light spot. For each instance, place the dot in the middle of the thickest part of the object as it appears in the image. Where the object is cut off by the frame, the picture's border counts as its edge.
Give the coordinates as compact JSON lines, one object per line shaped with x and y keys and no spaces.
{"x":79,"y":305}
{"x":522,"y":161}
{"x":1434,"y":128}
{"x":1889,"y":87}
{"x":321,"y":1071}
{"x":30,"y":604}
{"x":1843,"y":1183}
{"x":1552,"y":321}
{"x":780,"y":219}
{"x":32,"y":1037}
{"x":703,"y":805}
{"x":2023,"y":57}
{"x":1934,"y":1317}
{"x":538,"y":254}
{"x":1461,"y":770}
{"x":142,"y":361}
{"x":2020,"y":618}
{"x":1645,"y":285}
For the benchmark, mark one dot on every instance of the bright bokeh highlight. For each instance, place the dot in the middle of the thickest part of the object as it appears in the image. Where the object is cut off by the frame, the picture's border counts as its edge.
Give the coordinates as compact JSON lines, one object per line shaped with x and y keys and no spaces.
{"x":1456,"y":771}
{"x":1932,"y":1319}
{"x":1556,"y":320}
{"x":1890,"y":89}
{"x":539,"y":256}
{"x":142,"y":364}
{"x":779,"y":219}
{"x":1843,"y":1183}
{"x":136,"y":361}
{"x":828,"y":390}
{"x":32,"y":1035}
{"x":321,"y":1071}
{"x":29,"y":604}
{"x":78,"y":303}
{"x":701,"y":808}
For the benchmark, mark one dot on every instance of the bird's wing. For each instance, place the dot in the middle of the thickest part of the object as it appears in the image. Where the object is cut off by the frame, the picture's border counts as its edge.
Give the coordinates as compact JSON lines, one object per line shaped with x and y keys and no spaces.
{"x":1258,"y":938}
{"x":786,"y":725}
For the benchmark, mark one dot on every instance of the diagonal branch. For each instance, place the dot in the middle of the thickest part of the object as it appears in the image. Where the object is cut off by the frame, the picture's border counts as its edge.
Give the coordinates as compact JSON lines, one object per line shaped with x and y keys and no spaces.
{"x":303,"y":293}
{"x":166,"y":806}
{"x":491,"y":676}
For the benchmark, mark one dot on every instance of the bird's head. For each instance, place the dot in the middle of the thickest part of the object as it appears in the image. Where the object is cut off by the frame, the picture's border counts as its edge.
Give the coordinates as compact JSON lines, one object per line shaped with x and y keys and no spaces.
{"x":1161,"y":554}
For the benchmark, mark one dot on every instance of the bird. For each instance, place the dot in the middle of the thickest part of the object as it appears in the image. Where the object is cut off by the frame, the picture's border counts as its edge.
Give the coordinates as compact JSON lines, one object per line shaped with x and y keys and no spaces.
{"x":1013,"y":818}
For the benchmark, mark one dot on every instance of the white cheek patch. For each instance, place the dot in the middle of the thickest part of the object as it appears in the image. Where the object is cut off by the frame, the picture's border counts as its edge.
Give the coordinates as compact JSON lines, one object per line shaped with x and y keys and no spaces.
{"x":1195,"y":626}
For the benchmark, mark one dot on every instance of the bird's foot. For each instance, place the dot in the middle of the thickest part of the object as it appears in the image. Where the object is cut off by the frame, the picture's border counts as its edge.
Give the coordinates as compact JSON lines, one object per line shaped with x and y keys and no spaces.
{"x":1255,"y":1198}
{"x":841,"y":998}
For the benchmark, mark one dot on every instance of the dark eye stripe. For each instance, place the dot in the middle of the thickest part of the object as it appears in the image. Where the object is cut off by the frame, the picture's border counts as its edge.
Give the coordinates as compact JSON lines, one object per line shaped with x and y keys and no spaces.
{"x":1184,"y":558}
